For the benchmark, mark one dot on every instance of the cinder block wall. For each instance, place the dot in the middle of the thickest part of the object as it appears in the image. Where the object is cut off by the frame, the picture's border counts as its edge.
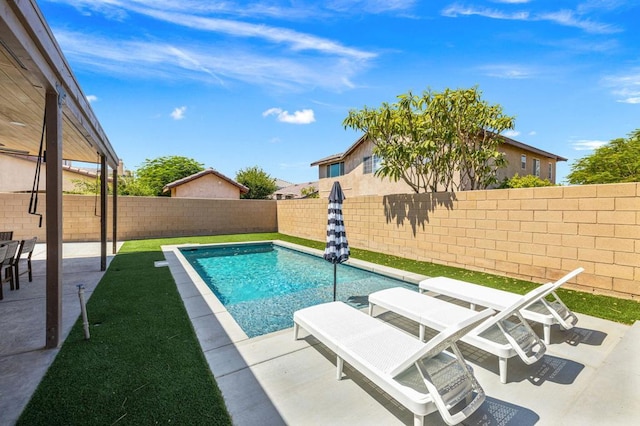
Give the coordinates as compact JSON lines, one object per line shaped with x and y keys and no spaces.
{"x":141,"y":217}
{"x":537,"y":234}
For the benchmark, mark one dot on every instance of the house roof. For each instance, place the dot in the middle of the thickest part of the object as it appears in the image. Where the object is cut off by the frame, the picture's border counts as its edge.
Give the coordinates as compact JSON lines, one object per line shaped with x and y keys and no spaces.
{"x":296,"y":189}
{"x":506,"y":140}
{"x":282,"y":183}
{"x":167,"y":187}
{"x":93,"y":173}
{"x":521,"y":145}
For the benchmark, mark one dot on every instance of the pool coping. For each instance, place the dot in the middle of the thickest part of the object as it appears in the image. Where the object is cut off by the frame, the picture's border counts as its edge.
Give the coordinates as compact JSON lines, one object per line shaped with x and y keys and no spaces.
{"x":228,"y":323}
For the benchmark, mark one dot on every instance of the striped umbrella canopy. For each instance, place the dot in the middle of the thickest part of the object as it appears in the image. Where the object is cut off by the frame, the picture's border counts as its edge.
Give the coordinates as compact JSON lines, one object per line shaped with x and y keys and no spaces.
{"x":337,"y":249}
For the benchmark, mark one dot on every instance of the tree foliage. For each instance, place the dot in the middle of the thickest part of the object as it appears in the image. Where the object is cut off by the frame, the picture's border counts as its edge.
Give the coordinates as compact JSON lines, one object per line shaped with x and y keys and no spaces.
{"x":127,"y":185}
{"x":155,"y":174}
{"x":260,"y":184}
{"x":81,"y":186}
{"x":310,"y":192}
{"x":616,"y":162}
{"x":430,"y":139}
{"x":527,"y":181}
{"x":130,"y":185}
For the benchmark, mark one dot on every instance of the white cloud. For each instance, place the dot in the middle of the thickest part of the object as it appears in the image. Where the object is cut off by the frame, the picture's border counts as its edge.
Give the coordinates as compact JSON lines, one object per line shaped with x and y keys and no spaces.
{"x":626,"y":87}
{"x":587,"y":145}
{"x":92,"y":98}
{"x":209,"y":63}
{"x":563,"y":17}
{"x":456,"y":10}
{"x":508,"y":71}
{"x":532,"y":133}
{"x":178,"y":113}
{"x":296,"y":40}
{"x":569,"y":18}
{"x":511,"y":133}
{"x":305,"y":116}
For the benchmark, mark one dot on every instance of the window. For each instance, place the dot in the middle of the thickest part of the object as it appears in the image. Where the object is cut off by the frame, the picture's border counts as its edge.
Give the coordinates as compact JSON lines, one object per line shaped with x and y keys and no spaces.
{"x":550,"y":176}
{"x":523,"y":161}
{"x":536,"y":167}
{"x":335,"y":169}
{"x":371,"y":164}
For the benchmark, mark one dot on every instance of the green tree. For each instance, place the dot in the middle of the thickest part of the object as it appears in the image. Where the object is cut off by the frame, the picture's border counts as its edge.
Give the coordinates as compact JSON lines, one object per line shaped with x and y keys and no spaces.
{"x":260,"y":184}
{"x":527,"y":181}
{"x":310,"y":192}
{"x":427,"y":140}
{"x":81,"y":186}
{"x":130,"y":185}
{"x":155,"y":174}
{"x":618,"y":161}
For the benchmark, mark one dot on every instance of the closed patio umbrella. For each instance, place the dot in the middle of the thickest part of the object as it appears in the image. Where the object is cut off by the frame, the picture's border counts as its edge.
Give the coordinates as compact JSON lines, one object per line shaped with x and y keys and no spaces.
{"x":337,"y":249}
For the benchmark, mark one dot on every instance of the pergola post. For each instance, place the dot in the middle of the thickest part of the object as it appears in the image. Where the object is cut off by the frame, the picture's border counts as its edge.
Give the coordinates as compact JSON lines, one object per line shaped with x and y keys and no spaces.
{"x":115,"y":210}
{"x":53,"y":157}
{"x":104,"y":192}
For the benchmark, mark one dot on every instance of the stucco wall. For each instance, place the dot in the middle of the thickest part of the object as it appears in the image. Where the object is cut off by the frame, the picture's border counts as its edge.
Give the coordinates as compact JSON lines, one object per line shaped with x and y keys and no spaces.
{"x":513,"y":154}
{"x":142,"y":217}
{"x":17,"y":174}
{"x":207,"y":186}
{"x":535,"y":233}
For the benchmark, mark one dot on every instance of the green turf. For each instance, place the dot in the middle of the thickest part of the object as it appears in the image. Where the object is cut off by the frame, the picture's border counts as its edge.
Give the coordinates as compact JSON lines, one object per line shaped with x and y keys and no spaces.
{"x":143,"y":364}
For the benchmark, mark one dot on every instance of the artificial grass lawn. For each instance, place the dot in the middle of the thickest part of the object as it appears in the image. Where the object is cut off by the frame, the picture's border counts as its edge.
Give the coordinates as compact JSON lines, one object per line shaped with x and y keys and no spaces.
{"x":143,"y":363}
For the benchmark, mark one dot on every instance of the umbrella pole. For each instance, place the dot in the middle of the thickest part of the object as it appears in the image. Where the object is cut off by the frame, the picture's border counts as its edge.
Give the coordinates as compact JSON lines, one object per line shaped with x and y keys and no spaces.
{"x":334,"y":281}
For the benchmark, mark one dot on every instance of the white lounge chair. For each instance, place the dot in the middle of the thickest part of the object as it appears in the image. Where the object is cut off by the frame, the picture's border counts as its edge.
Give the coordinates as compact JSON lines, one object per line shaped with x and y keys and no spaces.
{"x":541,"y":311}
{"x":421,"y":376}
{"x":505,"y":335}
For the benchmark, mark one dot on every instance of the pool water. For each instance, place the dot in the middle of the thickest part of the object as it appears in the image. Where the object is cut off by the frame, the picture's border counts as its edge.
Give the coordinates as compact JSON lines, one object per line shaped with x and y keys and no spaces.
{"x":262,"y":285}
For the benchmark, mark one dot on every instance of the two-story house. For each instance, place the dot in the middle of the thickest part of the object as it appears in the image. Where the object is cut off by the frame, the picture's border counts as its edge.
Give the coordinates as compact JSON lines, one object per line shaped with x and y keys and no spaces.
{"x":355,"y":168}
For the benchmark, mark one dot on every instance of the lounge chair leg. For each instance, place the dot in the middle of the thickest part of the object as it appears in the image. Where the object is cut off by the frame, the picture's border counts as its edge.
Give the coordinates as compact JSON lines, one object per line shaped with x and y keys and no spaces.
{"x":547,"y":334}
{"x":370,"y":309}
{"x":418,"y":420}
{"x":296,"y":328}
{"x":472,"y":306}
{"x":422,"y":327}
{"x":339,"y":365}
{"x":502,"y":366}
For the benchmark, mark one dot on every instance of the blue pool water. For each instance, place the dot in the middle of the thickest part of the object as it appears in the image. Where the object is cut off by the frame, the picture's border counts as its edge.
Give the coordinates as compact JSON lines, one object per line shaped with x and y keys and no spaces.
{"x":261,"y":285}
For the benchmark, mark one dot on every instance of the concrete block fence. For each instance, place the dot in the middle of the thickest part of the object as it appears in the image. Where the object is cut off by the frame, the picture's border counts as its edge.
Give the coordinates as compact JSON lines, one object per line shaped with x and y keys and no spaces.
{"x":141,"y":217}
{"x":537,"y":234}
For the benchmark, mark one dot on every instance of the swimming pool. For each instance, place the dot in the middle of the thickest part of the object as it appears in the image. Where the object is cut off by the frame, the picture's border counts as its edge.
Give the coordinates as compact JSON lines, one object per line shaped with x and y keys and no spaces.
{"x":262,"y":284}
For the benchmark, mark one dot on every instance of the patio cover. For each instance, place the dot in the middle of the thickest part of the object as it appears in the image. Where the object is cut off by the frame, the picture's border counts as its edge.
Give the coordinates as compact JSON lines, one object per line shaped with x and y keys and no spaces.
{"x":34,"y":78}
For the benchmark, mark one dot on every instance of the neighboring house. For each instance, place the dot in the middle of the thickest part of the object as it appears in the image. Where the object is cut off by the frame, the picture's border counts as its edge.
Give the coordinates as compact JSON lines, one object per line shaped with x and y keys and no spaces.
{"x":294,"y":191}
{"x":282,"y":183}
{"x":17,"y":173}
{"x":206,"y":184}
{"x":355,"y":168}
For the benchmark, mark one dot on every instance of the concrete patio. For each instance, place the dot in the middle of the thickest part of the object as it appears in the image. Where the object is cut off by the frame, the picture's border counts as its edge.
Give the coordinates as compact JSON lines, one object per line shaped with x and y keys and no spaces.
{"x":23,"y":359}
{"x":590,"y":375}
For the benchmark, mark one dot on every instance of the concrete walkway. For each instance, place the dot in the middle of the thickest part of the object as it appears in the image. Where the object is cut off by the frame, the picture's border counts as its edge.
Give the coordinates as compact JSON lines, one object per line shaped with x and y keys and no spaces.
{"x":590,"y":375}
{"x":23,"y":359}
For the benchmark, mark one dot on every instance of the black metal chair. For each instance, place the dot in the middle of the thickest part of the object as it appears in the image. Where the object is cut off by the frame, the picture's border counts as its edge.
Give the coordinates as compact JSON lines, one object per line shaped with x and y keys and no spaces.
{"x":26,"y":248}
{"x":7,"y":265}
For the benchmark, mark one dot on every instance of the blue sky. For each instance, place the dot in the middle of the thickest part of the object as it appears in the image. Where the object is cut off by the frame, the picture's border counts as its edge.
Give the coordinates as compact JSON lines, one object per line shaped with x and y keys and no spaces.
{"x":268,"y":83}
